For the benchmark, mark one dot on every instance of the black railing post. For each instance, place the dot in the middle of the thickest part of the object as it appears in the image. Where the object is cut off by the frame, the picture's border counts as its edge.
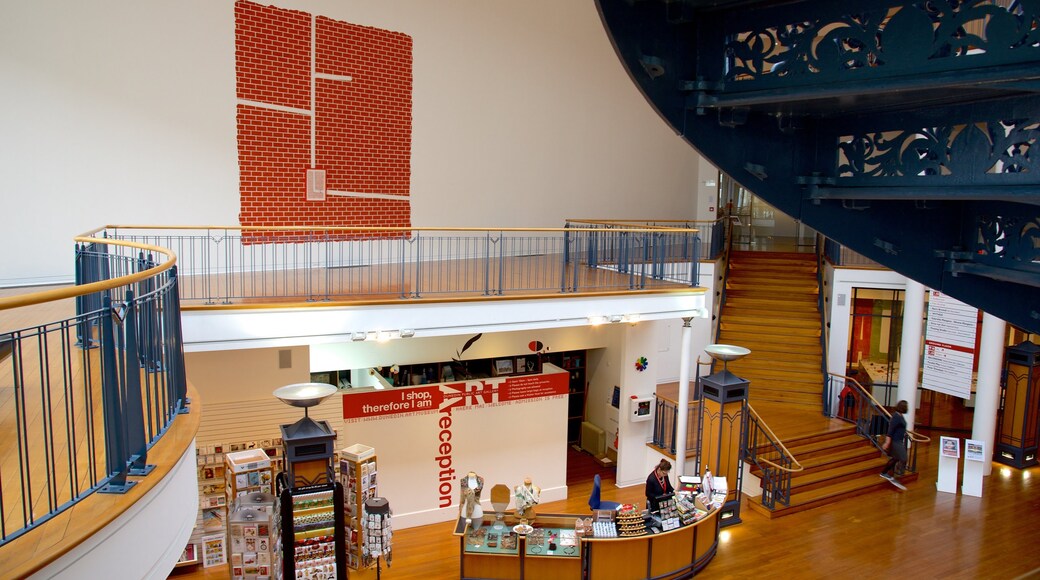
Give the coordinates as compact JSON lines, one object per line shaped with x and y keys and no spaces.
{"x":566,"y":259}
{"x":116,"y":455}
{"x":176,"y":345}
{"x":133,"y":416}
{"x":487,"y":263}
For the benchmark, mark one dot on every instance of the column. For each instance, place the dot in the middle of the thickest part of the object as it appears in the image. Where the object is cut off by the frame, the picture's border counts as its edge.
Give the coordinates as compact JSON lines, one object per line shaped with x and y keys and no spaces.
{"x":987,"y":386}
{"x":910,"y":348}
{"x":683,"y":412}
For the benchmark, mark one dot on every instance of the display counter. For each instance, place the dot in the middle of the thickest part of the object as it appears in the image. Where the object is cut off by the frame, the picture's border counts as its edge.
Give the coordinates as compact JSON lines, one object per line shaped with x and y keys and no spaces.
{"x":553,"y":550}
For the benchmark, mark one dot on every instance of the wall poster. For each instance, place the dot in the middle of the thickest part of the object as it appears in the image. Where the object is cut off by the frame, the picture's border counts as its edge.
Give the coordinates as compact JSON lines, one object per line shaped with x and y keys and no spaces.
{"x":949,"y":346}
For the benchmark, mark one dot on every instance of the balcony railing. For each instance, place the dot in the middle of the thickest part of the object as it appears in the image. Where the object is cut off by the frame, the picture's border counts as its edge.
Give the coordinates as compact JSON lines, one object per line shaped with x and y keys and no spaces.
{"x":239,"y":264}
{"x":666,"y":416}
{"x":839,"y":255}
{"x":858,"y":406}
{"x":90,"y":393}
{"x":711,"y":233}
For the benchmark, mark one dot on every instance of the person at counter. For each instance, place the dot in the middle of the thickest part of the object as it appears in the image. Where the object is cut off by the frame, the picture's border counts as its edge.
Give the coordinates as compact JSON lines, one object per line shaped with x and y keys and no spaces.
{"x":657,"y":484}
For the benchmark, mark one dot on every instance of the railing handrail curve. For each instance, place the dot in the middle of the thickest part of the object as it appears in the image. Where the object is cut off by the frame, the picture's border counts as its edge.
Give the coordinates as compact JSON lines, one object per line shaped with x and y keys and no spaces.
{"x":32,"y":299}
{"x":797,"y":466}
{"x":913,"y":435}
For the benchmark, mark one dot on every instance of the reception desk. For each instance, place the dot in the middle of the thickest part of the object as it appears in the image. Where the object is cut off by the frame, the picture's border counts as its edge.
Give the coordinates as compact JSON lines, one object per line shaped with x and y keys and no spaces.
{"x":677,"y":553}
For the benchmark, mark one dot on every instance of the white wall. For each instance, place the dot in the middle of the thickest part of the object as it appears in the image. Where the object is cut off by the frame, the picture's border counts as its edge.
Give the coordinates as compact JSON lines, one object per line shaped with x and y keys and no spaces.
{"x":133,"y":546}
{"x":117,"y":111}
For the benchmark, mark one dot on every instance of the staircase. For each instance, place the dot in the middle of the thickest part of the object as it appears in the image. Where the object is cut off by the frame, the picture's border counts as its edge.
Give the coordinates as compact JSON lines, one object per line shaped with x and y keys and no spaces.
{"x":772,"y":308}
{"x":838,"y":465}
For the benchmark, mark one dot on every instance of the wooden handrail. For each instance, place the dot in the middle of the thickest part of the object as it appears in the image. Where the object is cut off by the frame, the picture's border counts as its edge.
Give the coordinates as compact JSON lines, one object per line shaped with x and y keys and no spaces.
{"x":380,"y":228}
{"x":84,"y":289}
{"x":914,"y":436}
{"x":786,"y":451}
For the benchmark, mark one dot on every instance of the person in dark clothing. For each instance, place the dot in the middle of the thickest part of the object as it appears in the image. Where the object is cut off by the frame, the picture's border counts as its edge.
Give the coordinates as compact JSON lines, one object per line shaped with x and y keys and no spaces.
{"x":657,"y":484}
{"x":895,"y":443}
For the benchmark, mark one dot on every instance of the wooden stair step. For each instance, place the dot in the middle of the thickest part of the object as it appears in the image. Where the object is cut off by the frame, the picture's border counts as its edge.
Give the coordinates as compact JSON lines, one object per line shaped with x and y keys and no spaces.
{"x":744,"y":257}
{"x":777,"y":396}
{"x":798,"y":265}
{"x":768,"y":376}
{"x":738,"y":300}
{"x":809,"y":315}
{"x":807,"y":364}
{"x":836,"y":458}
{"x":807,"y":383}
{"x":795,"y":299}
{"x":791,"y":384}
{"x":767,"y":329}
{"x":815,"y":436}
{"x":782,"y":358}
{"x":738,"y":317}
{"x":828,"y":461}
{"x":824,"y":447}
{"x":774,"y":287}
{"x":802,"y":481}
{"x":745,"y":337}
{"x":775,"y":349}
{"x":806,"y":480}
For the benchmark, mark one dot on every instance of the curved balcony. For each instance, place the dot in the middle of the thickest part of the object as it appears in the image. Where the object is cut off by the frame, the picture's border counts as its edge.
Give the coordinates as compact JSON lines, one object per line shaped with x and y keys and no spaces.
{"x":99,"y":437}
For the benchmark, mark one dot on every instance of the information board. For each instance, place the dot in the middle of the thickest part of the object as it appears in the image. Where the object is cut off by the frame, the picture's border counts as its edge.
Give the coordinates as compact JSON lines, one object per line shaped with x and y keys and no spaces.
{"x":949,"y":346}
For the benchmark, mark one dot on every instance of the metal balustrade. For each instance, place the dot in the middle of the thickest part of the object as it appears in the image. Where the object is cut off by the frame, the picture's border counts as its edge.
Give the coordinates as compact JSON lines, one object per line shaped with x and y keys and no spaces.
{"x":90,"y":393}
{"x":666,"y":416}
{"x":762,"y":448}
{"x":236,"y":264}
{"x":856,"y":405}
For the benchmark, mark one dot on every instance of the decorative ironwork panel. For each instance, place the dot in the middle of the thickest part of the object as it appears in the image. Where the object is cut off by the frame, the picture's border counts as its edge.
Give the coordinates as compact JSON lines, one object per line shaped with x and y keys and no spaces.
{"x":1010,"y":241}
{"x":883,"y":40}
{"x":967,"y":152}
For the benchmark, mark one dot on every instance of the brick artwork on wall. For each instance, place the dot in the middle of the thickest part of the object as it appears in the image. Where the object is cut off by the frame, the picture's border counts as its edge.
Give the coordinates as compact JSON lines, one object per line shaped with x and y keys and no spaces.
{"x":316,"y":93}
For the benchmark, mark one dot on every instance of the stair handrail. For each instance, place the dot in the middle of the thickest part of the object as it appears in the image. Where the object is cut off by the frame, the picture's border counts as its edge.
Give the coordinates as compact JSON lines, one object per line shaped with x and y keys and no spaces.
{"x":913,"y":435}
{"x":776,"y":477}
{"x":772,"y":437}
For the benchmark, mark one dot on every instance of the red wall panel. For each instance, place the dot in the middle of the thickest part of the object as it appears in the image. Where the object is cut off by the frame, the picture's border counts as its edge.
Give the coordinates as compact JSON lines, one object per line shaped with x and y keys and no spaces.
{"x":362,"y":125}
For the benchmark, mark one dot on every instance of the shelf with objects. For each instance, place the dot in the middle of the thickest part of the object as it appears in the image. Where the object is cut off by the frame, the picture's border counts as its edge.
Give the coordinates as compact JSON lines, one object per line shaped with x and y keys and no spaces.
{"x":211,"y":527}
{"x":377,"y":532}
{"x":249,"y":481}
{"x":358,"y":476}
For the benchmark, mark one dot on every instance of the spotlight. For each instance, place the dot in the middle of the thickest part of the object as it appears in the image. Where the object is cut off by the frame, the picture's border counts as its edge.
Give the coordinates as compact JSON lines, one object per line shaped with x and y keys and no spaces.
{"x":407,"y":333}
{"x":359,"y":336}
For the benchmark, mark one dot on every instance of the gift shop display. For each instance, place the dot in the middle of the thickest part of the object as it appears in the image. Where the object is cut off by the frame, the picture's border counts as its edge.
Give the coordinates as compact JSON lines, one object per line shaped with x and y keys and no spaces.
{"x":358,"y":476}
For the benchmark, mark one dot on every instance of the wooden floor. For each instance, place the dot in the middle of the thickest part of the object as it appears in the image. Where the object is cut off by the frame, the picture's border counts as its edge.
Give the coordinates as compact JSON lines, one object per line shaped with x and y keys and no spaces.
{"x":919,"y":533}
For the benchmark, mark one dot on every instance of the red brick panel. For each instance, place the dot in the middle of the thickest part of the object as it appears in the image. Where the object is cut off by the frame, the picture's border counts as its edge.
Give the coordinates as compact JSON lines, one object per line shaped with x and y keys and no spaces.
{"x":273,"y":155}
{"x":364,"y":126}
{"x":273,"y":55}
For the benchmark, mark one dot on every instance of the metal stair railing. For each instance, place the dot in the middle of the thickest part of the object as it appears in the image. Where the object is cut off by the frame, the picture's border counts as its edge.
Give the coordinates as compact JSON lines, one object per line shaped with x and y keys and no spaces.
{"x":765,"y":450}
{"x":856,"y":405}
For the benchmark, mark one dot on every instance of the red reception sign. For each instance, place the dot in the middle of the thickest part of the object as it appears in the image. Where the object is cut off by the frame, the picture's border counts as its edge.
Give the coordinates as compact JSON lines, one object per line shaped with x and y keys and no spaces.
{"x":479,"y":392}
